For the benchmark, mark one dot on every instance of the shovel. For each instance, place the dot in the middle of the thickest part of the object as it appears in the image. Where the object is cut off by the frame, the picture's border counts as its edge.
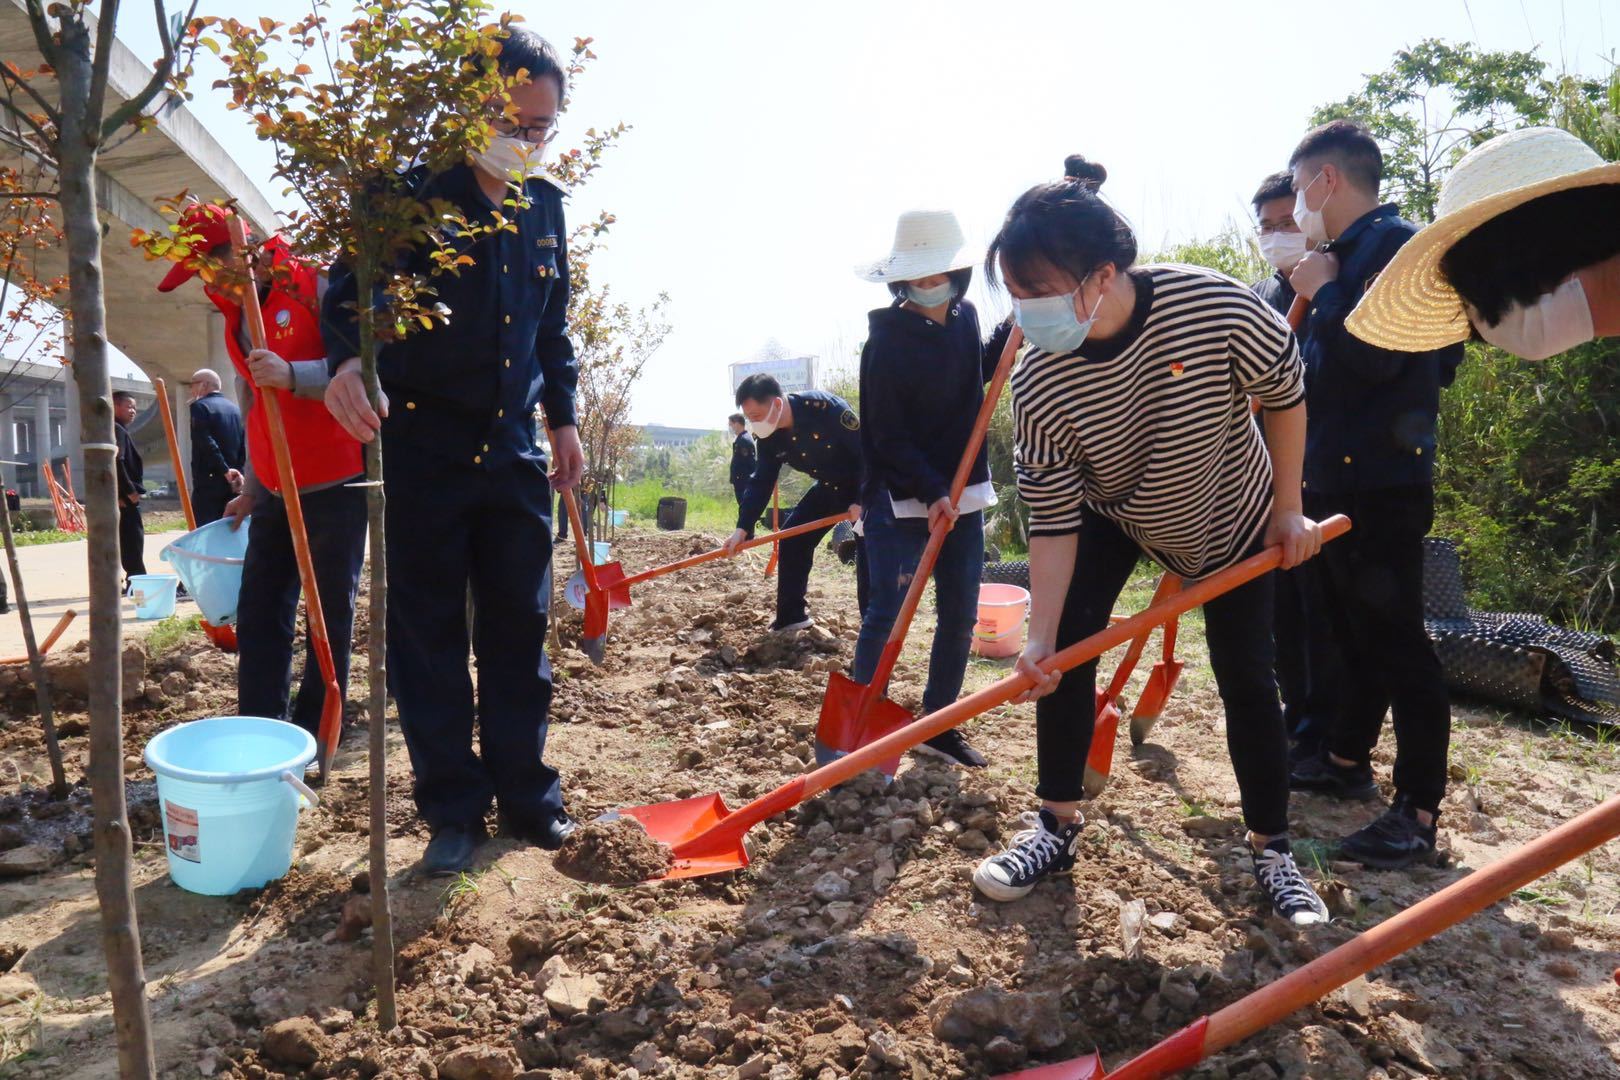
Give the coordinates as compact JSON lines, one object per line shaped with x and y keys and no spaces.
{"x":1161,"y":683}
{"x":853,"y":715}
{"x":593,"y":643}
{"x":1100,"y":761}
{"x":331,"y":728}
{"x":223,"y":637}
{"x":610,"y":577}
{"x":706,"y":837}
{"x":1417,"y":924}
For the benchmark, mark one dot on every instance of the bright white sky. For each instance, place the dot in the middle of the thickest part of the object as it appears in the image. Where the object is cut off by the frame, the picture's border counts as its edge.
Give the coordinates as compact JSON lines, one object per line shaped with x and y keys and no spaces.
{"x":774,"y":144}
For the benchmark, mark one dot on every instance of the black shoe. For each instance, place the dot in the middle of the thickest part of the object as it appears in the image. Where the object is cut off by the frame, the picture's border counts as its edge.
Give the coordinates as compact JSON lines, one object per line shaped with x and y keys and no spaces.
{"x":1303,"y":751}
{"x":1291,"y":896}
{"x":953,"y":747}
{"x":1043,"y":847}
{"x":549,"y":835}
{"x":451,"y":849}
{"x":1321,"y":774}
{"x":1395,"y":840}
{"x":784,"y":623}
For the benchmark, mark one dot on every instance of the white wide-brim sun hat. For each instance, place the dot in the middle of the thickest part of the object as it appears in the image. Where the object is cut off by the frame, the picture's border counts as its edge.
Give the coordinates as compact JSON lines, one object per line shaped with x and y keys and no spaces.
{"x":926,"y":242}
{"x":1411,"y":307}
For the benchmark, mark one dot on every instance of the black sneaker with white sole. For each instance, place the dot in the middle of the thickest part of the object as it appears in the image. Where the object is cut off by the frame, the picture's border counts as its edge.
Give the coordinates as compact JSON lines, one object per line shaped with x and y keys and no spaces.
{"x":783,"y":625}
{"x":1396,"y":840}
{"x":953,"y":746}
{"x":1291,"y":896}
{"x":1043,"y":847}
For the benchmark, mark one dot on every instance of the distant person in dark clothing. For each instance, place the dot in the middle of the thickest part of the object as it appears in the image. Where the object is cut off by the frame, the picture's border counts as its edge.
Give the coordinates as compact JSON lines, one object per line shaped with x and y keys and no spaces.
{"x":743,"y":457}
{"x":1369,"y":454}
{"x":1307,"y":656}
{"x":218,"y":447}
{"x":131,"y":530}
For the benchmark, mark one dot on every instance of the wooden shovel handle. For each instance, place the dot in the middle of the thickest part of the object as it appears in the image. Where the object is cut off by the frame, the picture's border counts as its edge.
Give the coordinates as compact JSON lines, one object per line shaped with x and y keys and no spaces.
{"x":180,"y":486}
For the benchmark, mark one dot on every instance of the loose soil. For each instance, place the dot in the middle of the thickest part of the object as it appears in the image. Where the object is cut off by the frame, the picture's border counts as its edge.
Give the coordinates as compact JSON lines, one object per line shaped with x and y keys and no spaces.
{"x":853,"y":945}
{"x":616,"y":852}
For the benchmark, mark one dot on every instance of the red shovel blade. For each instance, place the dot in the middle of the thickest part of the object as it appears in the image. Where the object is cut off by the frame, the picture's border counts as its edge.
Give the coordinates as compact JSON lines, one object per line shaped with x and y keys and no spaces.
{"x":673,"y":823}
{"x":223,"y":637}
{"x":1161,"y":683}
{"x":608,"y":576}
{"x":1080,"y":1068}
{"x":837,"y":731}
{"x":1100,"y":762}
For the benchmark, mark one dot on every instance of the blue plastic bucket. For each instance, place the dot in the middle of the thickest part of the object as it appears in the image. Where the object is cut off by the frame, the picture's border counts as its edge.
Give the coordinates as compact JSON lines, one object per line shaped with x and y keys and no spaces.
{"x":154,"y":595}
{"x":619,"y":517}
{"x":209,"y":561}
{"x":599,"y":551}
{"x":229,"y":788}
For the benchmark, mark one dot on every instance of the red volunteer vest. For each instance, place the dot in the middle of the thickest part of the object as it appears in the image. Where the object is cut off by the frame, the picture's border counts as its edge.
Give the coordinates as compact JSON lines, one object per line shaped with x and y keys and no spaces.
{"x":322,"y":452}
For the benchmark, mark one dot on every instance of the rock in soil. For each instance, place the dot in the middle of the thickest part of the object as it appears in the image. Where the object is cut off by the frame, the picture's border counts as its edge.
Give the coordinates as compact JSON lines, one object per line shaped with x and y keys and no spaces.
{"x":617,"y":852}
{"x":298,"y":1041}
{"x":478,"y":1063}
{"x":28,"y":859}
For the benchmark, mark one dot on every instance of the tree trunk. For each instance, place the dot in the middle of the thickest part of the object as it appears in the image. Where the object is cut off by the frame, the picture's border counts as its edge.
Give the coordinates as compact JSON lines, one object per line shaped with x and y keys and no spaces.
{"x":36,"y":662}
{"x":120,"y":930}
{"x":382,"y":919}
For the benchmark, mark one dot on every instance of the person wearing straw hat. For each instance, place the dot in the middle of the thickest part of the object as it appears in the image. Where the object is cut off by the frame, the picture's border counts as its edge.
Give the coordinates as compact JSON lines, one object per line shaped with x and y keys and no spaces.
{"x":1525,"y":253}
{"x":1369,"y":455}
{"x":1134,"y":437}
{"x":923,"y":371}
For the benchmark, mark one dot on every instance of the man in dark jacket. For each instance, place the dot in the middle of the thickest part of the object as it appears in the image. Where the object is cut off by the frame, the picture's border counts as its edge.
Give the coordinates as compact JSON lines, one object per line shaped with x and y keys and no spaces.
{"x":1369,"y":454}
{"x":131,"y":473}
{"x":820,"y":435}
{"x":742,"y":458}
{"x":218,"y":447}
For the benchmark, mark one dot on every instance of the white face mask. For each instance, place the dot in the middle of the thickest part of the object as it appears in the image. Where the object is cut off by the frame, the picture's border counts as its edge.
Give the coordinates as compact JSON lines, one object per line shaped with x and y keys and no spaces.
{"x":763,"y":429}
{"x":1310,"y":221}
{"x":1555,"y":323}
{"x":509,"y":155}
{"x":1283,"y":250}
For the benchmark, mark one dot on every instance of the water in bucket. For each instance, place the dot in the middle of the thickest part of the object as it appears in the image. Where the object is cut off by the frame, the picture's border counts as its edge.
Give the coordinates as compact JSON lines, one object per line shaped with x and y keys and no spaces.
{"x":230,"y":788}
{"x":209,"y":561}
{"x":1000,"y":629}
{"x":154,"y":595}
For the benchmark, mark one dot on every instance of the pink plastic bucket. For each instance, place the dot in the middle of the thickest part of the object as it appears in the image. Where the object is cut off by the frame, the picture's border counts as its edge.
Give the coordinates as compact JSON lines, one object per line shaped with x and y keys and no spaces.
{"x":1000,"y":629}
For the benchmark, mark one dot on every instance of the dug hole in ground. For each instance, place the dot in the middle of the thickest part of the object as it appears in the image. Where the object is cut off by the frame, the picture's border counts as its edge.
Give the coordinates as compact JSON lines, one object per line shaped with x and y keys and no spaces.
{"x":854,"y":945}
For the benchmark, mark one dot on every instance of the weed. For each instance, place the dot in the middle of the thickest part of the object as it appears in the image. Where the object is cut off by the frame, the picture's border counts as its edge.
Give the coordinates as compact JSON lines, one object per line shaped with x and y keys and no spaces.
{"x":169,"y":634}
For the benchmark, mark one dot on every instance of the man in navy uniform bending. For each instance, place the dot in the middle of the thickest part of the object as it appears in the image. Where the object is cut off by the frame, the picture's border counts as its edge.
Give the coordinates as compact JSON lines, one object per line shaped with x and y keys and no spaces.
{"x":820,"y":435}
{"x":469,"y":502}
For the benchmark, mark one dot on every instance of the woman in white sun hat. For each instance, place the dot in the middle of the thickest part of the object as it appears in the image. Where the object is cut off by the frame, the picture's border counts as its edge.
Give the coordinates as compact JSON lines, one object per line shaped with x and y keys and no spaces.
{"x":1525,"y":253}
{"x":923,"y":371}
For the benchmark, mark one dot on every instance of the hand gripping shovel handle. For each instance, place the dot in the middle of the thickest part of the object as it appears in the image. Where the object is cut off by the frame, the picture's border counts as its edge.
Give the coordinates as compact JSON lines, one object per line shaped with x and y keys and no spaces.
{"x":726,"y":834}
{"x":720,"y":553}
{"x":1417,"y":924}
{"x":936,"y":535}
{"x":332,"y":705}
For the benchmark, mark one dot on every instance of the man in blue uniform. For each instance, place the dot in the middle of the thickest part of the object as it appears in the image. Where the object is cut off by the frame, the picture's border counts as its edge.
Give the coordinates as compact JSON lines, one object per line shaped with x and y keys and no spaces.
{"x":742,"y":458}
{"x":820,"y":435}
{"x":218,"y":447}
{"x":469,"y":502}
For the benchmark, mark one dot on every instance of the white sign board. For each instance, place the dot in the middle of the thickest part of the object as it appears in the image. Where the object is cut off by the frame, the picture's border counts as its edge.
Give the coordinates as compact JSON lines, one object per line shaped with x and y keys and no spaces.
{"x":795,"y":374}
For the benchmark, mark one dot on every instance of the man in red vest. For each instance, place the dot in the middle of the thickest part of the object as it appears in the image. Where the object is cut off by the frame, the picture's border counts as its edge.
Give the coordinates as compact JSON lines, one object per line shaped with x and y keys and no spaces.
{"x":325,"y":459}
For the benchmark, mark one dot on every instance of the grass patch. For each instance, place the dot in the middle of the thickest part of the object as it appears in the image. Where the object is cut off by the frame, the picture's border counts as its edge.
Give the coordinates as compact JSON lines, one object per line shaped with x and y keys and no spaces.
{"x":710,"y":513}
{"x":44,"y":536}
{"x":169,"y":634}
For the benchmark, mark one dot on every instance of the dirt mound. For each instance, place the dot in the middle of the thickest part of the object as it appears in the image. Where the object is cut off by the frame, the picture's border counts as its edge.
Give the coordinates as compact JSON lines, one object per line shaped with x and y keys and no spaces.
{"x":614,"y":852}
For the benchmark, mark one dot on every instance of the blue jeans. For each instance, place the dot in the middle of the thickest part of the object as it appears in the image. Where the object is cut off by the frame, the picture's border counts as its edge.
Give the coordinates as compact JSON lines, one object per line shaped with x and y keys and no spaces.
{"x":893,"y":546}
{"x":267,"y":611}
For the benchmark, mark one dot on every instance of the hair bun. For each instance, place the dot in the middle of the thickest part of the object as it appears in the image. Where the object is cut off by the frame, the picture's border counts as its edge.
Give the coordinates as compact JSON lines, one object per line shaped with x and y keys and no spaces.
{"x":1088,"y":173}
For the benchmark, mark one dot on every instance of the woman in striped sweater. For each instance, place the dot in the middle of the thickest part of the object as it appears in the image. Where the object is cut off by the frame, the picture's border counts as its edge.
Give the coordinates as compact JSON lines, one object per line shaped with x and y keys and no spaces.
{"x":1134,"y":437}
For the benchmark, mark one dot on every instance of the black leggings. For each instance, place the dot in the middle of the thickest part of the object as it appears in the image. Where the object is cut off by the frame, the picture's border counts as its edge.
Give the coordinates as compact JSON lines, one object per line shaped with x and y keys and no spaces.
{"x":1237,"y":626}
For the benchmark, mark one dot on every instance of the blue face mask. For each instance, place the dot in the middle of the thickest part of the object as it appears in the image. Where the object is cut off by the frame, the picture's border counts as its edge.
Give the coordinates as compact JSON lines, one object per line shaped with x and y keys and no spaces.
{"x":942,"y":293}
{"x":1050,"y":322}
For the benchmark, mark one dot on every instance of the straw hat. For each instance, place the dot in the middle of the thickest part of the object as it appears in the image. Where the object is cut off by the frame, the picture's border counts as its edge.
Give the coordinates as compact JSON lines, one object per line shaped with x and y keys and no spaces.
{"x":925,"y":242}
{"x":1411,"y":307}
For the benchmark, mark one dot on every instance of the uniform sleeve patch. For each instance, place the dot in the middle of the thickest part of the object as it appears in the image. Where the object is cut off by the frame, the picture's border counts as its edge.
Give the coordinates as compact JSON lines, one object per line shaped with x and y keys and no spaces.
{"x":850,"y":420}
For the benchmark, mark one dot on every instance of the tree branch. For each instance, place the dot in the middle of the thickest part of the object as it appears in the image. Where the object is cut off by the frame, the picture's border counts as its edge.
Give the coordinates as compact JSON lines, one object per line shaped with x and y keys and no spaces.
{"x":100,"y":68}
{"x":137,"y":104}
{"x":15,"y":81}
{"x":41,"y":26}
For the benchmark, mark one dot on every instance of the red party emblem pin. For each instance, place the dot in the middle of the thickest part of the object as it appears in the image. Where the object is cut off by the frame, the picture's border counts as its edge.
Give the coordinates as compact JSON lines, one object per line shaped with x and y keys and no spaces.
{"x":1176,"y":367}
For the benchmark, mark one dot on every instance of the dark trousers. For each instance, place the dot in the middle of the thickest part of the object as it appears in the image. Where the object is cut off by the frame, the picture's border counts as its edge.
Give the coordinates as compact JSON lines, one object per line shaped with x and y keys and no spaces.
{"x":798,"y":552}
{"x":1237,"y":626}
{"x":1308,"y":665}
{"x":208,"y":498}
{"x":894,"y":546}
{"x":131,"y":540}
{"x":267,"y":610}
{"x":1374,"y":592}
{"x":738,"y":490}
{"x":451,"y":526}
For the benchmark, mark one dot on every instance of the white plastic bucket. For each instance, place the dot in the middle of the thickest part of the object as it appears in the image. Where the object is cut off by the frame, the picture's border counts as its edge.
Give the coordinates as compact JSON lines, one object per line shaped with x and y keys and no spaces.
{"x":619,"y":517}
{"x":209,"y":561}
{"x":599,"y":552}
{"x":229,"y":788}
{"x":1000,"y":629}
{"x":154,"y":595}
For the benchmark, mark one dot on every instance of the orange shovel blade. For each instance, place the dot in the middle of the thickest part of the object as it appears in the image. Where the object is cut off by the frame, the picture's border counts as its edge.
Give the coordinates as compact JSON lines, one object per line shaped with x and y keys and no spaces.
{"x":837,"y":731}
{"x":674,"y":823}
{"x":223,"y":637}
{"x":608,"y":576}
{"x":1080,"y":1068}
{"x":1161,"y":683}
{"x":1100,"y":762}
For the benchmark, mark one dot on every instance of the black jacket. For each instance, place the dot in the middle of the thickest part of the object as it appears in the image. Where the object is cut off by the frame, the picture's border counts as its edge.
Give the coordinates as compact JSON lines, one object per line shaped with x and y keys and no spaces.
{"x":1276,"y":292}
{"x":131,"y":470}
{"x":824,"y":443}
{"x":742,"y":459}
{"x":1372,"y":410}
{"x":922,"y":384}
{"x":217,"y":442}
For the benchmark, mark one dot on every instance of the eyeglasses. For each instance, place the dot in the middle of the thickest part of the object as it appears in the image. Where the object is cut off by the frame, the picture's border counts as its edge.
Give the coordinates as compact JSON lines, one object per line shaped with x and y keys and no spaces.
{"x":538,"y":134}
{"x":1267,"y":228}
